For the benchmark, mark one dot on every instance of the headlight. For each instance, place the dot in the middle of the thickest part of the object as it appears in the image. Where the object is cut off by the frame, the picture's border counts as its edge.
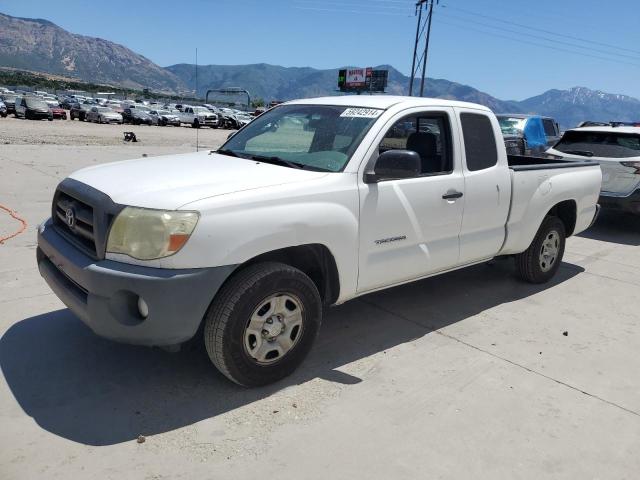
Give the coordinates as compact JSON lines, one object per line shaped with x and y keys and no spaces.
{"x":150,"y":234}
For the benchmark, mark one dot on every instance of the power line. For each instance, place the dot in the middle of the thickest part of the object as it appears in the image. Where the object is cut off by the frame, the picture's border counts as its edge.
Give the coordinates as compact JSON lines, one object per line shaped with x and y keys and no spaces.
{"x":538,"y":44}
{"x":359,"y":12}
{"x":540,"y":37}
{"x":550,"y":32}
{"x":353,"y":5}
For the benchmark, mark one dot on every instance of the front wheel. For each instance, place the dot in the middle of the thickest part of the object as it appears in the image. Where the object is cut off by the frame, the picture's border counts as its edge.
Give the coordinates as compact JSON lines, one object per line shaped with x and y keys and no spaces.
{"x":196,"y":123}
{"x":262,"y":323}
{"x":540,"y":262}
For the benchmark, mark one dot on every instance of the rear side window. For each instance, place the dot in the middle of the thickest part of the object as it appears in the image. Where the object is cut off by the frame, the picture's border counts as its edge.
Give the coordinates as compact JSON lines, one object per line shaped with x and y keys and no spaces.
{"x":549,"y":127}
{"x":600,"y":144}
{"x":479,"y":141}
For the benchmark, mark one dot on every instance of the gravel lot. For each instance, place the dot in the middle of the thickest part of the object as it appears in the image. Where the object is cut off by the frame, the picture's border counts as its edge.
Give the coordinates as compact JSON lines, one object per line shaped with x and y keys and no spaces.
{"x":467,"y":375}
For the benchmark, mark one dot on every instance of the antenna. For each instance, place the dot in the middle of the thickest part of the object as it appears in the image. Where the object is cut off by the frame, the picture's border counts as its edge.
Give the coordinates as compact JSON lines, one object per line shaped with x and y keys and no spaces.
{"x":196,"y":95}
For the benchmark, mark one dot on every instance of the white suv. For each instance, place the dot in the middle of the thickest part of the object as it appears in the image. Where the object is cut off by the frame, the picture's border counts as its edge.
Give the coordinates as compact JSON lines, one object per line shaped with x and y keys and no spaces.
{"x":617,"y":150}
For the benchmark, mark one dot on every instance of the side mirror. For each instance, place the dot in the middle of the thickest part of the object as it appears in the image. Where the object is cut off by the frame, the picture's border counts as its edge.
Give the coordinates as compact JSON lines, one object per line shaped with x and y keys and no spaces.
{"x":394,"y":164}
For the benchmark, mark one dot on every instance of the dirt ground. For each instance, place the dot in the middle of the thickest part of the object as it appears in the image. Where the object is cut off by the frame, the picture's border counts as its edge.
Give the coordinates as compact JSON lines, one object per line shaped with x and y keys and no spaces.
{"x":472,"y":374}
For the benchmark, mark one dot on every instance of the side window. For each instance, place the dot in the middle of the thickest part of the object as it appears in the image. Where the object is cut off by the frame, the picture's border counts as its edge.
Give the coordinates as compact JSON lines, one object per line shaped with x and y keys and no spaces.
{"x":479,"y":141}
{"x":428,"y":135}
{"x":549,"y":127}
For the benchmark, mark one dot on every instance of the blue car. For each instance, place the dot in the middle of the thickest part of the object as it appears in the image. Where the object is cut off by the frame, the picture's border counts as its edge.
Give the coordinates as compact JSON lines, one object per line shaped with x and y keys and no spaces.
{"x":528,"y":134}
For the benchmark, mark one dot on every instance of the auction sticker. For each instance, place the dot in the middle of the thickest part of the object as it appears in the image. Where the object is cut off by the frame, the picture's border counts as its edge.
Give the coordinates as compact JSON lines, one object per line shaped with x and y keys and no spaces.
{"x":361,"y":113}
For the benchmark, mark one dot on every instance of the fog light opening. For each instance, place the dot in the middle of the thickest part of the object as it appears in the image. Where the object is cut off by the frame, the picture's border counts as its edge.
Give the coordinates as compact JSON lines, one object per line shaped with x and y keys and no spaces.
{"x":143,"y":308}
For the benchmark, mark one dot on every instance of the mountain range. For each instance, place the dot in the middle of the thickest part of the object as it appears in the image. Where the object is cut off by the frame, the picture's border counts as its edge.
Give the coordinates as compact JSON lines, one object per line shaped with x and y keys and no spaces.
{"x":40,"y":45}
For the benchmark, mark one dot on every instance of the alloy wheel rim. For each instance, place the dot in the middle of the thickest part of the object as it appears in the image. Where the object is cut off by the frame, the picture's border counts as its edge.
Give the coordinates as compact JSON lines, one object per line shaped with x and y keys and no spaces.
{"x":274,"y":329}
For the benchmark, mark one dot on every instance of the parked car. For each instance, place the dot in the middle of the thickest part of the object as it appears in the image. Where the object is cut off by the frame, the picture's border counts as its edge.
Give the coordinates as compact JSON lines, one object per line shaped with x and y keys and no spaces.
{"x":10,"y":101}
{"x":528,"y":134}
{"x":56,"y":110}
{"x":198,"y":117}
{"x":137,"y":116}
{"x":103,"y":115}
{"x":165,"y":117}
{"x":251,"y":241}
{"x":32,"y":108}
{"x":617,"y":150}
{"x":3,"y":109}
{"x":243,"y":119}
{"x":67,"y":102}
{"x":79,"y":111}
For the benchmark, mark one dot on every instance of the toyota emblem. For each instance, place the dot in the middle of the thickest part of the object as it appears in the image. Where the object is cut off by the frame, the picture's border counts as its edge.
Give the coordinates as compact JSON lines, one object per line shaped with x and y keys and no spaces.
{"x":70,"y":217}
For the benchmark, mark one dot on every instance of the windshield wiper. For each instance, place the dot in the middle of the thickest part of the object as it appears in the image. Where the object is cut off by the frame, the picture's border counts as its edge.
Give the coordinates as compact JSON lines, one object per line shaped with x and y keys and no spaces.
{"x":230,"y":153}
{"x":278,"y":161}
{"x":583,"y":153}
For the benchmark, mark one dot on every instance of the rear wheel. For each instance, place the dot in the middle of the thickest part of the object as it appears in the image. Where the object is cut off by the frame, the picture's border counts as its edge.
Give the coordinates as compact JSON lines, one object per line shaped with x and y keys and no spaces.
{"x":540,"y":262}
{"x":262,"y":323}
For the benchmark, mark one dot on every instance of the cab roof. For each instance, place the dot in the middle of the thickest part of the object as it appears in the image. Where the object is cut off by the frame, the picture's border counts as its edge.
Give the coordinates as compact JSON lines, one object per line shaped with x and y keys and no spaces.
{"x":385,"y":102}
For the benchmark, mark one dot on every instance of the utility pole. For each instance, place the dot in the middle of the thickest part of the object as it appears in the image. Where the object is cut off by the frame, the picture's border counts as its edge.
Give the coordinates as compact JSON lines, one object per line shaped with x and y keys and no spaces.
{"x":419,"y":65}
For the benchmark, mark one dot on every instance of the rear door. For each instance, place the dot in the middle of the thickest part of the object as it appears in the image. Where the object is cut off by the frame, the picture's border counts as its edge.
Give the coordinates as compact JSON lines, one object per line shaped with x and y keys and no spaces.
{"x":487,"y":184}
{"x":407,"y":229}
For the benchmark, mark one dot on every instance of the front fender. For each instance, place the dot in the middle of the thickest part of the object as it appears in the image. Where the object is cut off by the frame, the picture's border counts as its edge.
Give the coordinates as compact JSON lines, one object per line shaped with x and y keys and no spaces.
{"x":233,"y":229}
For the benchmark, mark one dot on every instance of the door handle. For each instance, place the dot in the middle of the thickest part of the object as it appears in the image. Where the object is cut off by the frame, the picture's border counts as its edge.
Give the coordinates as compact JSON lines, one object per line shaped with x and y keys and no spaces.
{"x":451,"y":195}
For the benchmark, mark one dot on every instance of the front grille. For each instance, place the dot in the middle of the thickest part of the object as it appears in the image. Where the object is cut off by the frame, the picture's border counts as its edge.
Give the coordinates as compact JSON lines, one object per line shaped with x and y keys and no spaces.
{"x":81,"y":228}
{"x":92,"y":212}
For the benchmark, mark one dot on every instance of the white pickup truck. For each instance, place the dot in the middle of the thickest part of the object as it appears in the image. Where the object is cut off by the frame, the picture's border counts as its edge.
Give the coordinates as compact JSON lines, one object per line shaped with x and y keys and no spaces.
{"x":198,"y":117}
{"x":313,"y":203}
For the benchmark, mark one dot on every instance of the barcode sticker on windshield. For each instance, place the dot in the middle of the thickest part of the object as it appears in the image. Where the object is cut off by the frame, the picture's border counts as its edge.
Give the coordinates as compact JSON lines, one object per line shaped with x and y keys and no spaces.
{"x":361,"y":113}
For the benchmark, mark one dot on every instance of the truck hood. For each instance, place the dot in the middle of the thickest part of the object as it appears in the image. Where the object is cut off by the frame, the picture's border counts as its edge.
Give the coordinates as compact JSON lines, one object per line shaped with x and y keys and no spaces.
{"x":169,"y":182}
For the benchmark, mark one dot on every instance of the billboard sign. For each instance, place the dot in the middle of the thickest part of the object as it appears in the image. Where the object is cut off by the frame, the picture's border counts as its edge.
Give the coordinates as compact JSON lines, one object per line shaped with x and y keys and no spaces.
{"x":357,"y":77}
{"x":362,"y":80}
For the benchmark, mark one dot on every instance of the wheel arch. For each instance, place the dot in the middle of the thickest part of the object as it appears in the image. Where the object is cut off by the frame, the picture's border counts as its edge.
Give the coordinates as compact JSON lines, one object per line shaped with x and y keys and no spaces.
{"x":315,"y":260}
{"x":567,"y":212}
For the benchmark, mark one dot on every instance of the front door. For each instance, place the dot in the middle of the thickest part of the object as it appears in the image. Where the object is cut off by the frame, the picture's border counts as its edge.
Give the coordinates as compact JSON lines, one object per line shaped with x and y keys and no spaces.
{"x":407,"y":229}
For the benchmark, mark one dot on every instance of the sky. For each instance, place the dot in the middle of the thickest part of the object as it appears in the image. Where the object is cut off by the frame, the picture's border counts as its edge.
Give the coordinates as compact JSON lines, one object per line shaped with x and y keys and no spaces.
{"x":509,"y":49}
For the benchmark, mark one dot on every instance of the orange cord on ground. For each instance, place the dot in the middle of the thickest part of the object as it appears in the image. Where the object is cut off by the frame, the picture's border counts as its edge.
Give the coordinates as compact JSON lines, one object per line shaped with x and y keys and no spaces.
{"x":18,"y":218}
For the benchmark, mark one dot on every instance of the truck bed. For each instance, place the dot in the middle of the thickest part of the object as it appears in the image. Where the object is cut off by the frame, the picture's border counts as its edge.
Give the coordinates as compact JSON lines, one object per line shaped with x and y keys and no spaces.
{"x":538,"y":184}
{"x":521,"y":162}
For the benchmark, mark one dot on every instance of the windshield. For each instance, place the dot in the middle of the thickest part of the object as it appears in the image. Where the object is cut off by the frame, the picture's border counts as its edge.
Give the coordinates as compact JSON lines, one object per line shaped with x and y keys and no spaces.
{"x":600,"y":144}
{"x":36,"y":103}
{"x":103,"y":109}
{"x":511,"y":125}
{"x":318,"y":137}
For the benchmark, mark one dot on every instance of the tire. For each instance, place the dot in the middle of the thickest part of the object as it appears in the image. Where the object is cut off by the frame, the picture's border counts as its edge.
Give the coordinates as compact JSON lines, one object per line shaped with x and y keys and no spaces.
{"x":533,"y":265}
{"x":196,"y":123}
{"x":229,"y":339}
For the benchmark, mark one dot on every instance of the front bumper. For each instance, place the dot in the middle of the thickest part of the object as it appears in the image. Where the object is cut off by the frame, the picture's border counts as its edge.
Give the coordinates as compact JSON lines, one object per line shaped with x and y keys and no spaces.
{"x":209,"y":121}
{"x":630,"y":203}
{"x":34,"y":115}
{"x":104,"y":294}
